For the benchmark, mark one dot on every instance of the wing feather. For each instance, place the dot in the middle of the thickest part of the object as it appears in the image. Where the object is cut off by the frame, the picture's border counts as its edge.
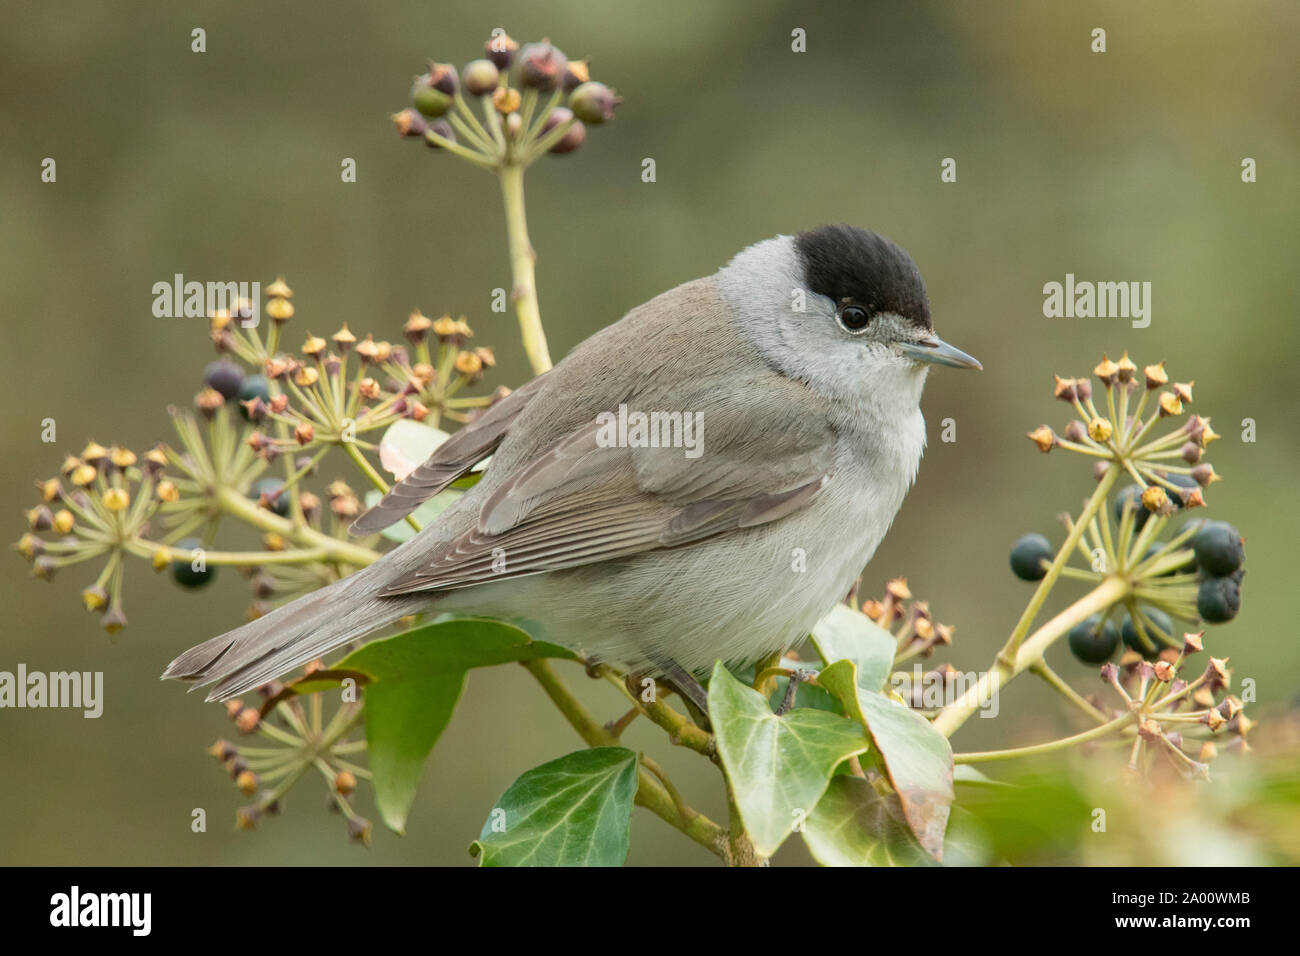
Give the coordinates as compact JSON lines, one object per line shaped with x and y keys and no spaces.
{"x":455,"y":457}
{"x":581,"y":502}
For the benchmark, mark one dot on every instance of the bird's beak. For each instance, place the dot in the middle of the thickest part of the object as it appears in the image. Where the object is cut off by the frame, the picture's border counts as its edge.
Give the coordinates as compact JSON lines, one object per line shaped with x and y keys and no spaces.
{"x":938,"y":352}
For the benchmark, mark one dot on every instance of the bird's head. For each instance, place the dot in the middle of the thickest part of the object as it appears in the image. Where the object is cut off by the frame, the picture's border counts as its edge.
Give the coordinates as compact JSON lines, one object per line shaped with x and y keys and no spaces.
{"x":841,"y":308}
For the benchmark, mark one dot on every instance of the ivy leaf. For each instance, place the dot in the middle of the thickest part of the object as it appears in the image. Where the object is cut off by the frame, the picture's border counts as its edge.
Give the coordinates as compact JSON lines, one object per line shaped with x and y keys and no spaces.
{"x":574,"y":811}
{"x":964,"y":773}
{"x":417,"y":678}
{"x":854,"y":825}
{"x":400,"y":531}
{"x":405,"y":446}
{"x":916,"y":757}
{"x":849,"y":635}
{"x":778,"y":767}
{"x":408,"y":444}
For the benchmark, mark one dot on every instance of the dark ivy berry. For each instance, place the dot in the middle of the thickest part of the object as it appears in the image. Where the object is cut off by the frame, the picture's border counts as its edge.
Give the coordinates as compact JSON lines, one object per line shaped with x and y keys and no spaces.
{"x":271,"y":489}
{"x":1133,"y":493}
{"x":1185,"y":482}
{"x":1094,"y":642}
{"x":224,"y":376}
{"x":183,"y":571}
{"x":253,"y":386}
{"x":1218,"y":548}
{"x":1218,"y":599}
{"x":1129,"y":633}
{"x":1027,"y":557}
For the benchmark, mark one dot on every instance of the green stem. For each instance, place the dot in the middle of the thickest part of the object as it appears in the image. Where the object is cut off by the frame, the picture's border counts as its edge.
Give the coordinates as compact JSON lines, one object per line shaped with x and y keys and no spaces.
{"x":375,"y":477}
{"x":470,"y":117}
{"x":537,"y":149}
{"x":650,"y":793}
{"x":1008,"y":652}
{"x":247,"y":511}
{"x":955,"y":714}
{"x":739,"y":847}
{"x":232,"y":558}
{"x":523,"y":260}
{"x":469,"y":155}
{"x":1041,"y":668}
{"x":681,"y":731}
{"x":1051,"y":746}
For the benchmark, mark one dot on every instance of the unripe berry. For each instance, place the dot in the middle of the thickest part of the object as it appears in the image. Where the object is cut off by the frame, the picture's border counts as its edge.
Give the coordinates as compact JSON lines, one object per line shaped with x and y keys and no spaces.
{"x":594,"y":102}
{"x":501,"y":49}
{"x":246,"y":720}
{"x":427,"y":98}
{"x":481,"y":77}
{"x":442,"y":130}
{"x":247,"y":783}
{"x":573,"y":138}
{"x":541,"y":66}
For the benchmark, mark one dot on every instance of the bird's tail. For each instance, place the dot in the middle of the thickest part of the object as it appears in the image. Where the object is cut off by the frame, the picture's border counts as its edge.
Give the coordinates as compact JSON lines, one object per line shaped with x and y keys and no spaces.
{"x":292,"y":635}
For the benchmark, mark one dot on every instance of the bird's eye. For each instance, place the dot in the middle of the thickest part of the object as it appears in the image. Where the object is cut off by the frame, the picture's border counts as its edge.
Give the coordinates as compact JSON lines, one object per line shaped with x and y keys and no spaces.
{"x":854,"y":318}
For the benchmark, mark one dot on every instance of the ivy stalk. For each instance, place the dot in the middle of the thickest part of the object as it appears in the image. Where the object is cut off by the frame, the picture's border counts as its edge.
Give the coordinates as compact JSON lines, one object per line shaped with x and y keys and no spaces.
{"x":1019,"y":653}
{"x":248,"y":512}
{"x":653,"y":791}
{"x":523,"y":260}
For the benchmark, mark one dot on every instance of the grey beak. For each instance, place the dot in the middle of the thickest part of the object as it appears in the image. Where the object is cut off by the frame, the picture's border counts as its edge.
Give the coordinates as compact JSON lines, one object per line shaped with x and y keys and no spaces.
{"x":938,"y":352}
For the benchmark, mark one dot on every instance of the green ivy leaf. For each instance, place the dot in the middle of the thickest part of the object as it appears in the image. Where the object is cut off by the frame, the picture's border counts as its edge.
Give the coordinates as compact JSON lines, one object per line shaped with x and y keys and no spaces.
{"x":778,"y":767}
{"x":574,"y":811}
{"x":964,"y":773}
{"x":417,"y":677}
{"x":916,"y":757}
{"x":854,"y":825}
{"x":1037,"y":818}
{"x":849,"y":635}
{"x":428,"y":512}
{"x":407,"y":444}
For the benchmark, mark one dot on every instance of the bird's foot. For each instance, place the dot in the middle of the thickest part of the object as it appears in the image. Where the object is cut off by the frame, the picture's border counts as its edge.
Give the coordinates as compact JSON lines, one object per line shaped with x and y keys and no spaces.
{"x":797,"y":677}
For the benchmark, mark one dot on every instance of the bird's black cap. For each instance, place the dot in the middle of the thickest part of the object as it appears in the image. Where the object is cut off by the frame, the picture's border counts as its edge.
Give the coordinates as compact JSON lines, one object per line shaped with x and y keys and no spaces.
{"x":852,"y":265}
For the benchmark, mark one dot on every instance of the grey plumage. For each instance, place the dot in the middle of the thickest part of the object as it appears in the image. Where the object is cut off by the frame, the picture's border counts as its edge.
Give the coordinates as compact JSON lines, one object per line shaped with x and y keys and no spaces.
{"x":643,"y":555}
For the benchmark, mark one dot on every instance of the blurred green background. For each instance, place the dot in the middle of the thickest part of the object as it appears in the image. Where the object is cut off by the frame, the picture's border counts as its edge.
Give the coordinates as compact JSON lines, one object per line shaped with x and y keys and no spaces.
{"x":225,"y":165}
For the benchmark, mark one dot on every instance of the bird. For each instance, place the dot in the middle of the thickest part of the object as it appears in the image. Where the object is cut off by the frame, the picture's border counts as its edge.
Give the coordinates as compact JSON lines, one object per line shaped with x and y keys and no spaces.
{"x":798,"y":368}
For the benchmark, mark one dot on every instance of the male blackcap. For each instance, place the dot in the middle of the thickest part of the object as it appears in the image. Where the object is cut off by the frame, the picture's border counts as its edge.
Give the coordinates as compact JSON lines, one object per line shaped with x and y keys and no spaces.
{"x":702,"y":480}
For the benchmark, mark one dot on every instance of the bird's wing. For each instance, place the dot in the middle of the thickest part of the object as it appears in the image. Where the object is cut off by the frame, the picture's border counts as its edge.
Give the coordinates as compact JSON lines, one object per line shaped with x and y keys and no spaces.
{"x":584,"y":501}
{"x":449,"y":461}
